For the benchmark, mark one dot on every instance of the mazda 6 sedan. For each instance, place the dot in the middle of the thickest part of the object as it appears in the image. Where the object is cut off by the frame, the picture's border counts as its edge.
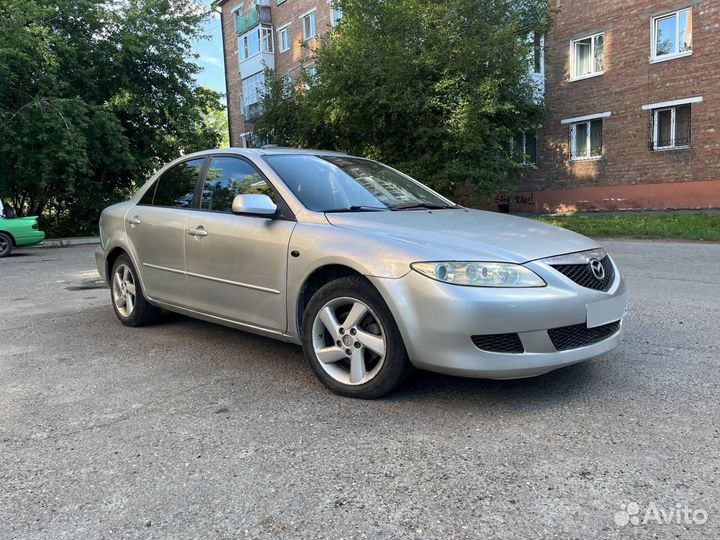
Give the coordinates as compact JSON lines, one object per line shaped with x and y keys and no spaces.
{"x":369,"y":270}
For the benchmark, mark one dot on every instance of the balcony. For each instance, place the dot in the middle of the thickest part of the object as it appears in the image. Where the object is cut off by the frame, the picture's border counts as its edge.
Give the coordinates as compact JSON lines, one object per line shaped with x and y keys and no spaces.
{"x":260,"y":14}
{"x":252,"y":111}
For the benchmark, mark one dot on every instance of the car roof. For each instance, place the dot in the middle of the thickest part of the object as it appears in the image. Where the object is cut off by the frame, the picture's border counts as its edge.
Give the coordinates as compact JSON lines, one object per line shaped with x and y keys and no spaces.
{"x":266,"y":151}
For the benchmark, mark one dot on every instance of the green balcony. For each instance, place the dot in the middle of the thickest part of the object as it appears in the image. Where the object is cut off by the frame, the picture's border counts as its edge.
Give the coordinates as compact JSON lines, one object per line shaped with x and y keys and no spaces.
{"x":259,"y":15}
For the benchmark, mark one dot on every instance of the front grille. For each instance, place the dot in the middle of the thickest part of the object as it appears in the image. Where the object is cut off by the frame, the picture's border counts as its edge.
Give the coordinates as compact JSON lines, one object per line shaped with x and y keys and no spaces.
{"x":504,"y":343}
{"x":579,"y":335}
{"x":583,"y":276}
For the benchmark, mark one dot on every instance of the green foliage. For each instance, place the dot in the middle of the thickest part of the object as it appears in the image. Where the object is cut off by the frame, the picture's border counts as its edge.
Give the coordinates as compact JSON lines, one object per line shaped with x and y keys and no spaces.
{"x":94,"y":97}
{"x":436,"y":89}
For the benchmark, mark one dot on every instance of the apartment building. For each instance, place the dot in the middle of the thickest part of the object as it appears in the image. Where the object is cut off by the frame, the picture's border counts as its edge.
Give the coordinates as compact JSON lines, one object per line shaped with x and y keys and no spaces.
{"x":633,"y":96}
{"x":277,"y":34}
{"x":632,"y":90}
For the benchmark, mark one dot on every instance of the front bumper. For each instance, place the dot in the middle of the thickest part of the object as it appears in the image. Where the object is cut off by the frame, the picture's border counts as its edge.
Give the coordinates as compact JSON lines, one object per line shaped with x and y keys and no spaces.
{"x":437,"y":321}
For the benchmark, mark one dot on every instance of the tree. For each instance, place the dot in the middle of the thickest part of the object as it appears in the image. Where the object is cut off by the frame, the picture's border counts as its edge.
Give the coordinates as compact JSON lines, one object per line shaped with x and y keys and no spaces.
{"x":94,"y":97}
{"x":437,"y":89}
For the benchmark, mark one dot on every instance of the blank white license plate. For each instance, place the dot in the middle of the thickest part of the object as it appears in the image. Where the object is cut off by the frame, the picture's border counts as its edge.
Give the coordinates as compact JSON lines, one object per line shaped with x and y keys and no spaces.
{"x":606,"y":311}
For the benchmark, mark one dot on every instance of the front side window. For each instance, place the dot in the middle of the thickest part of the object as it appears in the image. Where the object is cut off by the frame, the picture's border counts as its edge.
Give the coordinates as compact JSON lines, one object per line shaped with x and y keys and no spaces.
{"x":284,"y":37}
{"x":672,"y":35}
{"x":586,"y":141}
{"x":176,"y":187}
{"x":588,"y":56}
{"x":309,"y":26}
{"x":228,"y":177}
{"x":671,"y":128}
{"x":339,"y":183}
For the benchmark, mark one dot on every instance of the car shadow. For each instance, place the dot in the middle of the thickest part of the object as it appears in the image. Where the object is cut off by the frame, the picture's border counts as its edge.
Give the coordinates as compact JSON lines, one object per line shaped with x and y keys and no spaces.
{"x":279,"y":359}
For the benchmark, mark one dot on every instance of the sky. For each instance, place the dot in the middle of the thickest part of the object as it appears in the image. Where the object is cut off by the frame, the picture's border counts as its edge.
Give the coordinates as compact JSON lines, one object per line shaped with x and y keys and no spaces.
{"x":211,"y":54}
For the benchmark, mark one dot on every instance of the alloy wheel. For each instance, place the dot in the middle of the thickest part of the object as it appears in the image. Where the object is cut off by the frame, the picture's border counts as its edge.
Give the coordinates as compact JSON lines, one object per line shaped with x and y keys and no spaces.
{"x":123,"y":290}
{"x":4,"y":244}
{"x":349,"y":341}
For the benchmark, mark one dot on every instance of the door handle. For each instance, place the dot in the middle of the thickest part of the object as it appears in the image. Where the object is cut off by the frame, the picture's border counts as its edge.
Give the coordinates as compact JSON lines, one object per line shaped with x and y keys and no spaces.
{"x":197,"y":231}
{"x":133,"y":221}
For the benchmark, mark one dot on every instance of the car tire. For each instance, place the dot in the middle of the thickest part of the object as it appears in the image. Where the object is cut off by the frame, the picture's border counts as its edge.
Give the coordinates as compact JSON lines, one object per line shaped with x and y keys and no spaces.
{"x":6,"y":245}
{"x":127,"y":295}
{"x":351,"y":362}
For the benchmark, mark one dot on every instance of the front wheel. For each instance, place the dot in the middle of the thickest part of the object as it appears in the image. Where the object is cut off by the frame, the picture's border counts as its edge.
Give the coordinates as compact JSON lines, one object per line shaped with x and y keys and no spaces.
{"x":351,"y":340}
{"x":129,"y":302}
{"x":6,"y":245}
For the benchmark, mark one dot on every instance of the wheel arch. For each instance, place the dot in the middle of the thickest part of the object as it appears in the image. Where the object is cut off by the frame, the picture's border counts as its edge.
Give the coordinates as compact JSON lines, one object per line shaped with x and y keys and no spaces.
{"x":11,"y":237}
{"x":316,"y":279}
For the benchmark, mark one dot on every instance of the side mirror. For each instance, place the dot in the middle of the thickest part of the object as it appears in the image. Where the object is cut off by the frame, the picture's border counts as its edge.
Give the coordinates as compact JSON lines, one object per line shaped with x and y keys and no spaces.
{"x":254,"y":204}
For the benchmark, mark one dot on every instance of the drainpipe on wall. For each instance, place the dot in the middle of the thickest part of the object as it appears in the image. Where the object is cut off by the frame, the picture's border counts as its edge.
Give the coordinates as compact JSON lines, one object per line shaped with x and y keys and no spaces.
{"x":217,"y":7}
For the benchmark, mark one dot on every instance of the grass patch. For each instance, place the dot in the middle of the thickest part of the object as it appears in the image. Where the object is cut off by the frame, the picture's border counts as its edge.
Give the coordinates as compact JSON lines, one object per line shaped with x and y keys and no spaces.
{"x":681,"y":226}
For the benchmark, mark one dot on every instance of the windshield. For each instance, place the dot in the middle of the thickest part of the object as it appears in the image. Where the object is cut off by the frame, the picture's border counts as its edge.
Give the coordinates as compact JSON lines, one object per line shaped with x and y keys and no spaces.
{"x":346,"y":184}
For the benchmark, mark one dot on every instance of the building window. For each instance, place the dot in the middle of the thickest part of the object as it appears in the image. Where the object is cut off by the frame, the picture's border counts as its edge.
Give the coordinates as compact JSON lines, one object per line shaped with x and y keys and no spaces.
{"x":309,"y":25}
{"x":252,"y":90}
{"x":284,"y":38}
{"x":257,"y":40}
{"x":335,"y":15}
{"x":672,"y":35}
{"x":586,"y":141}
{"x":524,"y":147}
{"x":587,"y":56}
{"x":671,"y":127}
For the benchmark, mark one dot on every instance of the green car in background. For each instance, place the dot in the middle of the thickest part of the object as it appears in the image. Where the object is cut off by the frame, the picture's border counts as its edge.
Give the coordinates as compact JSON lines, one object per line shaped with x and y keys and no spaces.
{"x":17,"y":232}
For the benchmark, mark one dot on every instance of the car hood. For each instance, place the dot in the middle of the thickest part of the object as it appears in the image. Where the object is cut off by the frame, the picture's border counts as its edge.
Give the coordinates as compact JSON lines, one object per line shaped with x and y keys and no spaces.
{"x":463,"y":234}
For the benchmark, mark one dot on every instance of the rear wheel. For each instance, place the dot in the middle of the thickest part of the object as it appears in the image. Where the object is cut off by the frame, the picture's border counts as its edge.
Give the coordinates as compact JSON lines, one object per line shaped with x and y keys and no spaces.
{"x":6,"y":245}
{"x":129,"y":302}
{"x":351,"y":340}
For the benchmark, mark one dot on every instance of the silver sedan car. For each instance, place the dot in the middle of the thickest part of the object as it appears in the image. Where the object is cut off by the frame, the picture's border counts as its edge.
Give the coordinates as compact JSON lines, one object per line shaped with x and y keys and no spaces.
{"x":366,"y":268}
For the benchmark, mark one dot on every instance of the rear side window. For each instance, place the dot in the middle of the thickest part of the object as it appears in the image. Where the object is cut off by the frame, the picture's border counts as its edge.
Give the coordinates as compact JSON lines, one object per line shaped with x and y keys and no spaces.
{"x":227,"y":177}
{"x":176,"y":187}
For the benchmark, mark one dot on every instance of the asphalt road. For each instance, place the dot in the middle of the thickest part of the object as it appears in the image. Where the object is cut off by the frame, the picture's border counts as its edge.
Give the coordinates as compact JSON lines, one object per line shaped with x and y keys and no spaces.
{"x":190,"y":430}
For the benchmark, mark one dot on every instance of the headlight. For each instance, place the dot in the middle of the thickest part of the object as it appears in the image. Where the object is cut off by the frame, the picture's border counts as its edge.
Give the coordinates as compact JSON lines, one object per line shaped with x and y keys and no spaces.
{"x":480,"y":274}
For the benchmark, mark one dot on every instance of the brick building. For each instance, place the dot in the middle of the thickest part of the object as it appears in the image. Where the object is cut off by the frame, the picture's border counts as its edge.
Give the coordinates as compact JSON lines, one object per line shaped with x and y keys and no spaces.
{"x":633,"y":96}
{"x":277,"y":34}
{"x":632,"y":90}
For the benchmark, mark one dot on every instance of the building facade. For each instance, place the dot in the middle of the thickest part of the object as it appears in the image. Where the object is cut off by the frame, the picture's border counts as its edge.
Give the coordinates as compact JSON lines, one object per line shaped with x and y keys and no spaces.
{"x":633,"y":96}
{"x":632,"y":90}
{"x":277,"y":34}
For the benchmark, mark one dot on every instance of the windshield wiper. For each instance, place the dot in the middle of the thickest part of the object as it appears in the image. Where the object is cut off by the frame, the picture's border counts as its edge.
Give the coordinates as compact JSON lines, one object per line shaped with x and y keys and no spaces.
{"x":356,"y":208}
{"x":428,"y":206}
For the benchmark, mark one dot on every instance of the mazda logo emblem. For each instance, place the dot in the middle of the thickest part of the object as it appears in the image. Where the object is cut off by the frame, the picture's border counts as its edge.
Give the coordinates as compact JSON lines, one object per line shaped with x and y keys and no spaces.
{"x":597,"y":269}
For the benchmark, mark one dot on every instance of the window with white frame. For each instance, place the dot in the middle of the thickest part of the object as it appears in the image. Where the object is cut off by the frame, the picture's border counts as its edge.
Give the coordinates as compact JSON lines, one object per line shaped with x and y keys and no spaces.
{"x":284,"y":38}
{"x":587,"y":56}
{"x":257,"y":40}
{"x":672,"y":35}
{"x":586,"y":140}
{"x":252,"y":88}
{"x":335,"y":15}
{"x":671,"y":127}
{"x":524,"y":147}
{"x":309,"y":25}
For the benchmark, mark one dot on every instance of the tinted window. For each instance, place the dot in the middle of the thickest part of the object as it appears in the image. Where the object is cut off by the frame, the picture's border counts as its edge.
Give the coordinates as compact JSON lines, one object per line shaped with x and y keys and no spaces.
{"x":176,"y":187}
{"x":228,"y":177}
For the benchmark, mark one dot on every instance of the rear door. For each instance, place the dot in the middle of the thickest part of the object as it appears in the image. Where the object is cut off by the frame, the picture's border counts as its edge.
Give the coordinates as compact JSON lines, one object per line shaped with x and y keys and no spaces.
{"x":156,"y":232}
{"x":237,"y":266}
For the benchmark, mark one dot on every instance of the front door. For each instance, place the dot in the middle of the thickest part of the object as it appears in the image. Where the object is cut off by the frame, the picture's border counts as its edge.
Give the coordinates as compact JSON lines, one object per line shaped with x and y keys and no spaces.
{"x":156,"y":232}
{"x":237,"y":264}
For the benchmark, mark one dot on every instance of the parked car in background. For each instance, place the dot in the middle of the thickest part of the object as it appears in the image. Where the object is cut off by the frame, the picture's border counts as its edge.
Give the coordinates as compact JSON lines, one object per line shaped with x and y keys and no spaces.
{"x":17,"y":232}
{"x":368,"y":269}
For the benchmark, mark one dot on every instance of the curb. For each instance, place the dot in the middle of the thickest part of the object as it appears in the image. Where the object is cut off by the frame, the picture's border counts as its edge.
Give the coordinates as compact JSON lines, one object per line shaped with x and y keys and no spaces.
{"x":63,"y":242}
